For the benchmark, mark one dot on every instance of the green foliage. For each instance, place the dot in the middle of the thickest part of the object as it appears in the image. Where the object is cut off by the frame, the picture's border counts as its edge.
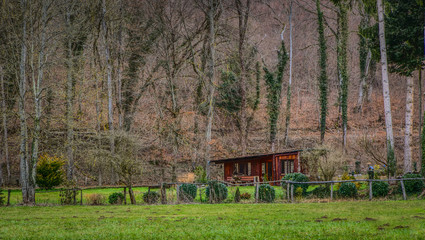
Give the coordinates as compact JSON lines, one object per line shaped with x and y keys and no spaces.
{"x":150,"y":197}
{"x":246,"y":196}
{"x":297,"y":177}
{"x":413,"y":186}
{"x":347,"y":189}
{"x":49,"y":172}
{"x":342,"y":60}
{"x":237,"y":196}
{"x":321,"y":192}
{"x":116,"y":198}
{"x":187,"y":192}
{"x":200,"y":175}
{"x":391,"y":160}
{"x":274,"y":88}
{"x":1,"y":197}
{"x":323,"y":78}
{"x":67,"y":196}
{"x":266,"y":193}
{"x":218,"y":191}
{"x":380,"y":189}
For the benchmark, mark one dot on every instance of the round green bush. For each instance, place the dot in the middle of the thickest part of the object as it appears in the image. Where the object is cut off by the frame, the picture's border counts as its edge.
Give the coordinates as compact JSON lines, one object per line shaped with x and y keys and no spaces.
{"x":321,"y":192}
{"x":380,"y":189}
{"x":218,"y":190}
{"x":347,"y":189}
{"x":150,"y":197}
{"x":412,"y":186}
{"x":116,"y":198}
{"x":187,"y":192}
{"x":296,"y":177}
{"x":266,"y":193}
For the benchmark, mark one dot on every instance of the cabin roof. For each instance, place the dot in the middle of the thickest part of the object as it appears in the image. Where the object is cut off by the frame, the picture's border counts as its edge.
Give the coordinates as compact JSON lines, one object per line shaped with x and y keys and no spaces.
{"x":253,"y":157}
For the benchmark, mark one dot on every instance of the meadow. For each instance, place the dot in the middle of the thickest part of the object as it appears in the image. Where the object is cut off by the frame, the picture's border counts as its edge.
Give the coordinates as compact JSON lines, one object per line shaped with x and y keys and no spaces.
{"x":335,"y":220}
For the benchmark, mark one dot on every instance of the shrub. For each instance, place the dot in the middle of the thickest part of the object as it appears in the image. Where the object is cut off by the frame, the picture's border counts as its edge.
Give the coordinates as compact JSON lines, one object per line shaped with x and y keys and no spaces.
{"x":187,"y":192}
{"x":1,"y":197}
{"x":49,"y":172}
{"x":95,"y":199}
{"x":116,"y":198}
{"x":297,"y":177}
{"x":237,"y":195}
{"x":380,"y":189}
{"x":246,"y":196}
{"x":412,"y":186}
{"x":200,"y":175}
{"x":67,"y":196}
{"x":218,"y":190}
{"x":321,"y":192}
{"x":347,"y":189}
{"x":266,"y":193}
{"x":150,"y":197}
{"x":346,"y":176}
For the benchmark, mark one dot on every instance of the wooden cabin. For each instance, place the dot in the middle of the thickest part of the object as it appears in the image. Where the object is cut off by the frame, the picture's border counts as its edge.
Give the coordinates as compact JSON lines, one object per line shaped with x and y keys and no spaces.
{"x":274,"y":166}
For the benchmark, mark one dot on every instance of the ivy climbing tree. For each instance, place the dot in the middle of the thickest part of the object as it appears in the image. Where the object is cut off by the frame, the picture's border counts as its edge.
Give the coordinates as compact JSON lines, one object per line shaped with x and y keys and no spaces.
{"x":274,"y":88}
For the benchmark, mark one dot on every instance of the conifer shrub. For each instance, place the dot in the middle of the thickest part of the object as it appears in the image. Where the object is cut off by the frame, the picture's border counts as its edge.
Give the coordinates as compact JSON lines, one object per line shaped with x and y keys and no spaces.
{"x":218,"y":191}
{"x":380,"y":189}
{"x":412,"y":186}
{"x":49,"y":172}
{"x":296,"y":177}
{"x":187,"y":192}
{"x":347,"y":189}
{"x":151,"y":197}
{"x":237,"y":196}
{"x":116,"y":198}
{"x":266,"y":193}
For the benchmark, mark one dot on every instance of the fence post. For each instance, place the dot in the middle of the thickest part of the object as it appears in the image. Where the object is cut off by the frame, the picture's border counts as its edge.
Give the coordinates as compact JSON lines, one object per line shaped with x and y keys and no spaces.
{"x":332,"y":191}
{"x":370,"y":190}
{"x":8,"y":197}
{"x":200,"y":194}
{"x":81,"y":197}
{"x":257,"y":188}
{"x":403,"y":190}
{"x":125,"y":195}
{"x":292,"y":192}
{"x":74,"y":193}
{"x":177,"y":193}
{"x":163,"y":194}
{"x":287,"y":191}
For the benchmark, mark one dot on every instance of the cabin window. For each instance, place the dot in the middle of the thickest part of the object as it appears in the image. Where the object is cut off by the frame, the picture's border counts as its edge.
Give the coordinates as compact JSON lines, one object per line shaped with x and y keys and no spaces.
{"x":242,"y":169}
{"x":287,"y":166}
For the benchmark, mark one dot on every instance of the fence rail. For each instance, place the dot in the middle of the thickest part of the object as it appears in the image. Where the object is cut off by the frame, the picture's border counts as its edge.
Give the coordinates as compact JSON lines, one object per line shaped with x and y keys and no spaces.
{"x":288,"y":184}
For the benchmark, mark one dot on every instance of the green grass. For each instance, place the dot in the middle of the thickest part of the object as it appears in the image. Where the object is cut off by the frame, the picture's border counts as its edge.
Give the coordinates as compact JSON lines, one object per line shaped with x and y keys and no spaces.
{"x":219,"y":221}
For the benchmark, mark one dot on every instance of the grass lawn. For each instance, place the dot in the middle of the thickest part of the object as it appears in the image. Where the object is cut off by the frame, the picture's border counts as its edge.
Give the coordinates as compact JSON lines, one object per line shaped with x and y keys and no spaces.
{"x":336,"y":220}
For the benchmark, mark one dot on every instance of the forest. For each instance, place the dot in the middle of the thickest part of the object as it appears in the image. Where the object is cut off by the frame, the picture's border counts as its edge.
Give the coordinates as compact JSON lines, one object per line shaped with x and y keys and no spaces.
{"x":134,"y":91}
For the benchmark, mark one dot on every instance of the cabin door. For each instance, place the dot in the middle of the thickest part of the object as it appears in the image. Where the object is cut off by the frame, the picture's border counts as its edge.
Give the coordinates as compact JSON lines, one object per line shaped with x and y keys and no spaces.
{"x":269,"y":171}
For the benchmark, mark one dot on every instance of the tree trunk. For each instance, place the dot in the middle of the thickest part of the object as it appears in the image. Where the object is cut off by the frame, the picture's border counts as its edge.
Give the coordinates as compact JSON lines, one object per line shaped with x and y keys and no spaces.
{"x":22,"y":114}
{"x":69,"y":101}
{"x":131,"y":193}
{"x":409,"y":126}
{"x":243,"y":15}
{"x":5,"y":133}
{"x":289,"y":93}
{"x":420,"y":113}
{"x":210,"y":75}
{"x":385,"y":83}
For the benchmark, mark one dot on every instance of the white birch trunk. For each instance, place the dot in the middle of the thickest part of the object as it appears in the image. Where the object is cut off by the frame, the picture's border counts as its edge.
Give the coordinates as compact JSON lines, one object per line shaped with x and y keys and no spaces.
{"x":409,"y":126}
{"x":363,"y":83}
{"x":289,"y":94}
{"x":385,"y":81}
{"x":211,"y":64}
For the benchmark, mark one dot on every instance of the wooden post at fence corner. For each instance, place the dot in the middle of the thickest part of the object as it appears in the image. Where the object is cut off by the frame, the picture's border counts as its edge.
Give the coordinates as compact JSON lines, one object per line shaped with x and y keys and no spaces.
{"x":257,"y":188}
{"x":403,"y":190}
{"x":125,"y":195}
{"x":74,"y":193}
{"x":8,"y":197}
{"x":81,"y":197}
{"x":332,"y":191}
{"x":292,"y":192}
{"x":370,"y":190}
{"x":287,"y":191}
